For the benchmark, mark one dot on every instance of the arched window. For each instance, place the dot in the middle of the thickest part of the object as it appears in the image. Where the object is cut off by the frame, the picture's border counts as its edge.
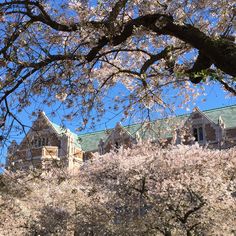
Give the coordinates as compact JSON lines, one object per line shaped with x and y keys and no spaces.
{"x":117,"y":145}
{"x":39,"y":142}
{"x":198,"y":134}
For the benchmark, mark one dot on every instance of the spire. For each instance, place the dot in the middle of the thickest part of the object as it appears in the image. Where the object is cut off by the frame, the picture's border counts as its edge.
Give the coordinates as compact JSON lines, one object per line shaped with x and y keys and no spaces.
{"x":41,"y":113}
{"x":221,"y":122}
{"x":118,"y":124}
{"x":195,"y":109}
{"x":138,"y":137}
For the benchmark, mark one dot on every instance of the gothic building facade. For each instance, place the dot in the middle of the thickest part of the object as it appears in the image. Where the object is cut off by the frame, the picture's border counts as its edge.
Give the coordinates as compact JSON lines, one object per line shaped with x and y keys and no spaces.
{"x":47,"y":143}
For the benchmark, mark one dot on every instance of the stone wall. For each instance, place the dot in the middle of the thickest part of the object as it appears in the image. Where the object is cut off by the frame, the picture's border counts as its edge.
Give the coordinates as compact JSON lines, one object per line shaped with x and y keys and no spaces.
{"x":231,"y":133}
{"x":78,"y":154}
{"x":196,"y":115}
{"x":29,"y":141}
{"x":210,"y":133}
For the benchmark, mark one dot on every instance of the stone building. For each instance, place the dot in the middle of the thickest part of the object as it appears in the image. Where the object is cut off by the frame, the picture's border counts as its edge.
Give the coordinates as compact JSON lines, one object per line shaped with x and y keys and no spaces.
{"x":48,"y":143}
{"x":45,"y":144}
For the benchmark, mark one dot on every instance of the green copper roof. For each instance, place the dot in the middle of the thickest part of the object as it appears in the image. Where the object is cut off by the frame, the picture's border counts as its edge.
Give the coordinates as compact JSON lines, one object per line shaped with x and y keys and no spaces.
{"x":90,"y":141}
{"x":150,"y":130}
{"x":160,"y":128}
{"x":228,"y":114}
{"x":60,"y":130}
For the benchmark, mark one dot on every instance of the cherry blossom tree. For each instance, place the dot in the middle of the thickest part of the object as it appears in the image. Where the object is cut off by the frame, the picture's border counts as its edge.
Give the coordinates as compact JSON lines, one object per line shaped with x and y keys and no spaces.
{"x":180,"y":190}
{"x":76,"y":51}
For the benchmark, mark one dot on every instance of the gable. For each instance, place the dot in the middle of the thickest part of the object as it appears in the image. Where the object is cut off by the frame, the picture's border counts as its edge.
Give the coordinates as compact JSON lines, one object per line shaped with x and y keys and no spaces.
{"x":41,"y":131}
{"x":146,"y":131}
{"x":198,"y":118}
{"x":119,"y":134}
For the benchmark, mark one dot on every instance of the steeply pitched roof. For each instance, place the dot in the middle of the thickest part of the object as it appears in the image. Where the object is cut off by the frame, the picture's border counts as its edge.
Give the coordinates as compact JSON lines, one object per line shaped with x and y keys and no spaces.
{"x":90,"y":141}
{"x":146,"y":131}
{"x":159,"y":128}
{"x":60,"y":131}
{"x":162,"y":128}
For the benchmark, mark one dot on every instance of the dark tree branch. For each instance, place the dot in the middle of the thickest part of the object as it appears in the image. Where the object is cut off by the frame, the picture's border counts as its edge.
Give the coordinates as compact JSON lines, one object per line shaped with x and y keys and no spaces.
{"x":227,"y":86}
{"x":43,"y":17}
{"x":220,"y":52}
{"x":202,"y":63}
{"x":153,"y":59}
{"x":19,"y":82}
{"x":14,"y":36}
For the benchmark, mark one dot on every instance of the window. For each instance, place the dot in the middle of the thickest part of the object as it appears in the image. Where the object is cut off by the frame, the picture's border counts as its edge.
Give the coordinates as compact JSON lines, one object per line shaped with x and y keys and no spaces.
{"x":117,"y":145}
{"x":43,"y":142}
{"x":35,"y":142}
{"x":39,"y":142}
{"x":198,"y":134}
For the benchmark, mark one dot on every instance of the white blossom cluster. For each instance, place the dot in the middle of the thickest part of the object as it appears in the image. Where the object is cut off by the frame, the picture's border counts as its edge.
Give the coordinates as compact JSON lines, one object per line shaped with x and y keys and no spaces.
{"x":141,"y":191}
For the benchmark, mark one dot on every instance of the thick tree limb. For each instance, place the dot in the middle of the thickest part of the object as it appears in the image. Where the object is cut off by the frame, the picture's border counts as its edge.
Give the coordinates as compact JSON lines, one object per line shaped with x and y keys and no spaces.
{"x":153,"y":59}
{"x":202,"y":63}
{"x":222,"y":53}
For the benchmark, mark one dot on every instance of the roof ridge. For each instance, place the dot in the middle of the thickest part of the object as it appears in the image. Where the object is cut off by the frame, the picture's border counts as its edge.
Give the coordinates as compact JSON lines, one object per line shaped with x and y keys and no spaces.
{"x":95,"y":132}
{"x":62,"y":127}
{"x":160,"y":119}
{"x":128,"y":126}
{"x":219,"y":108}
{"x":139,"y":123}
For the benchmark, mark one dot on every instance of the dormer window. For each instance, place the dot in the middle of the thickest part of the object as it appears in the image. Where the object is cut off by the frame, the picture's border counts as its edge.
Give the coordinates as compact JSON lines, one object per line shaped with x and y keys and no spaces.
{"x":198,"y":134}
